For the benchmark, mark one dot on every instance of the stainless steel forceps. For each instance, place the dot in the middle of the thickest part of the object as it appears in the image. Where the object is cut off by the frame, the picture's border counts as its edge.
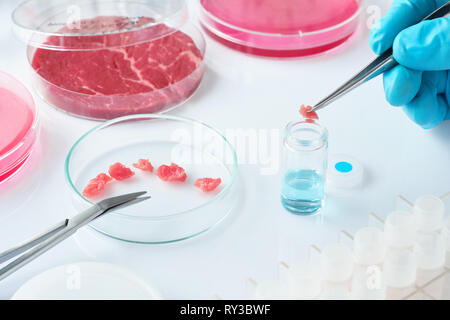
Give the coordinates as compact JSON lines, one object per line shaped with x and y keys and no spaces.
{"x":381,"y":64}
{"x":43,"y":242}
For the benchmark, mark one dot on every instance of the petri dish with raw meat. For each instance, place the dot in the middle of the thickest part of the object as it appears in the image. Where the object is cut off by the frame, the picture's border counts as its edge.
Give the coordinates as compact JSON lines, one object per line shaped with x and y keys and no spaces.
{"x":174,"y":154}
{"x":105,"y":59}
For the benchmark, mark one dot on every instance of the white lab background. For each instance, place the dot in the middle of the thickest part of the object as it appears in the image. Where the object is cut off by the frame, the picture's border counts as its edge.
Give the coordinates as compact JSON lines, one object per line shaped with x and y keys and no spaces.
{"x":238,"y":92}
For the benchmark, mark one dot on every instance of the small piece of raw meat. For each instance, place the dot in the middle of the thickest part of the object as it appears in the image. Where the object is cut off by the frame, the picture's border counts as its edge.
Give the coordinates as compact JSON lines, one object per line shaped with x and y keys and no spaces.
{"x":208,"y":184}
{"x":171,"y":173}
{"x":104,"y":177}
{"x":96,"y":185}
{"x":119,"y":172}
{"x":304,"y":111}
{"x":144,"y":165}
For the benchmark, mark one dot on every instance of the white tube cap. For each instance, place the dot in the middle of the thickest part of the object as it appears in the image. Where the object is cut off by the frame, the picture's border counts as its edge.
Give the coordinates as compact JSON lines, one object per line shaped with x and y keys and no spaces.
{"x":369,"y":246}
{"x":429,"y":212}
{"x":400,"y":229}
{"x":337,"y":263}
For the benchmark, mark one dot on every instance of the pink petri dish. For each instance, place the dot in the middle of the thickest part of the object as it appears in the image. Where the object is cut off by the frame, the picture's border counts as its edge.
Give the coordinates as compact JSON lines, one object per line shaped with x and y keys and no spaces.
{"x":18,"y":125}
{"x":288,"y":28}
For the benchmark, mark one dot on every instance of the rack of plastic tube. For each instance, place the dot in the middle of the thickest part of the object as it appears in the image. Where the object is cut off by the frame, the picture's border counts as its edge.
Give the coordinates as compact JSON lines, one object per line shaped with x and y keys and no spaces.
{"x":408,"y":258}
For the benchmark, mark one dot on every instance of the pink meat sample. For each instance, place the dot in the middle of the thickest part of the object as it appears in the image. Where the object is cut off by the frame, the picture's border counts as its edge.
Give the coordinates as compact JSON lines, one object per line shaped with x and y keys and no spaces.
{"x":310,"y":117}
{"x":208,"y":184}
{"x":120,"y":172}
{"x":144,"y":165}
{"x":134,"y":74}
{"x":96,"y":185}
{"x":171,"y":173}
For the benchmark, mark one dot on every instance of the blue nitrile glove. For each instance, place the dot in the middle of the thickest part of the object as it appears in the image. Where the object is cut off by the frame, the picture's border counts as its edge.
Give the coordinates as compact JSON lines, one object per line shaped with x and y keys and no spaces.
{"x":421,"y":84}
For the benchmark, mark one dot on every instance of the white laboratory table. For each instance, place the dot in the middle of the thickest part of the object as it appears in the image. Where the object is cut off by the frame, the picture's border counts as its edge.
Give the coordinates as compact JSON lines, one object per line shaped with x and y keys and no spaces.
{"x":239,"y":92}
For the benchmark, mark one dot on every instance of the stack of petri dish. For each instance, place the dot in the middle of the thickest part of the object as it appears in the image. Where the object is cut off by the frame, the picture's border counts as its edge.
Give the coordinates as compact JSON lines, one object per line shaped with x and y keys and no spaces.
{"x":105,"y":59}
{"x":289,"y":28}
{"x":18,"y":126}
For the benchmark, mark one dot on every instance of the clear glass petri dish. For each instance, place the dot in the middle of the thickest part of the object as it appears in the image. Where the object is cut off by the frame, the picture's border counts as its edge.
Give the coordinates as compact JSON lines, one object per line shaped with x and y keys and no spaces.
{"x":102,"y":59}
{"x":19,"y":126}
{"x":289,"y":28}
{"x":176,"y":211}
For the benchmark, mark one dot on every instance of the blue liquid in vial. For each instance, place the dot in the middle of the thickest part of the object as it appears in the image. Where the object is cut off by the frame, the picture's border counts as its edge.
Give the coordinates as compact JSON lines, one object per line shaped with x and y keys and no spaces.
{"x":303,"y":191}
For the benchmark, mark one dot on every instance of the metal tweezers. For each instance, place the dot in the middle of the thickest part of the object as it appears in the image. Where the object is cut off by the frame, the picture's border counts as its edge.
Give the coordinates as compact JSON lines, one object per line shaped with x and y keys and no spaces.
{"x":381,"y":64}
{"x":43,"y":242}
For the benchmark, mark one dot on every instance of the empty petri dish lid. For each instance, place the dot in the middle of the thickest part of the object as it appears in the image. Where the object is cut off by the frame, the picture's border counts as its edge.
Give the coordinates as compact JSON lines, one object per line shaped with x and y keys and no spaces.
{"x":429,"y":212}
{"x":337,"y":263}
{"x":344,"y":171}
{"x":369,"y":246}
{"x":87,"y":281}
{"x":400,"y":229}
{"x":112,"y":23}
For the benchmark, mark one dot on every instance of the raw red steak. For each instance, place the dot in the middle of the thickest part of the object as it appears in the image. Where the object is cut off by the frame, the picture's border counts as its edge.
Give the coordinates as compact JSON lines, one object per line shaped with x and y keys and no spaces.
{"x":133,"y":75}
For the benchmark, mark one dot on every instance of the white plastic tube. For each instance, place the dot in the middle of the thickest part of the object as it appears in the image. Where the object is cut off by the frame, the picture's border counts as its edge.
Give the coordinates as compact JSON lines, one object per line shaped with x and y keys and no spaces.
{"x":369,"y":246}
{"x":400,"y":267}
{"x":430,"y":249}
{"x":369,"y":284}
{"x":337,"y":263}
{"x":305,"y":280}
{"x":429,"y":213}
{"x":272,"y":290}
{"x":400,"y":229}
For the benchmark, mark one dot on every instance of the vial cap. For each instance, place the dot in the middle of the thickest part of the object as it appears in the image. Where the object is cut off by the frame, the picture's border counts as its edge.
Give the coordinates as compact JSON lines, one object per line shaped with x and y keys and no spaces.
{"x":344,"y":172}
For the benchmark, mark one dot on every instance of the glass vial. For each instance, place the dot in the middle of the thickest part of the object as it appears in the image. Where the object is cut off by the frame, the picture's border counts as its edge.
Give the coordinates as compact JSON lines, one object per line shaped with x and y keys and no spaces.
{"x":305,"y":157}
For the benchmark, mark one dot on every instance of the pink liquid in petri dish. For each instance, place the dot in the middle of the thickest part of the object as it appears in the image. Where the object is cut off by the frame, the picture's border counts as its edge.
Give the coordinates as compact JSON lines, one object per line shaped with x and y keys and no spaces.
{"x":281,"y":28}
{"x":17,"y":134}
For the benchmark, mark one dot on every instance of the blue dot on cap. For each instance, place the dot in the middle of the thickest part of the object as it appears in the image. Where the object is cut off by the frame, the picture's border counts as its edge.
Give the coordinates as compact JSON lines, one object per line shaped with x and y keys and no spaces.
{"x":344,"y":167}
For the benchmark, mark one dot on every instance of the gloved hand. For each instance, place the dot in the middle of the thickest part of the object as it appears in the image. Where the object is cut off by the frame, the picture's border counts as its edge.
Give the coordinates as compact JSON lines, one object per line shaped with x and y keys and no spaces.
{"x":421,"y":83}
